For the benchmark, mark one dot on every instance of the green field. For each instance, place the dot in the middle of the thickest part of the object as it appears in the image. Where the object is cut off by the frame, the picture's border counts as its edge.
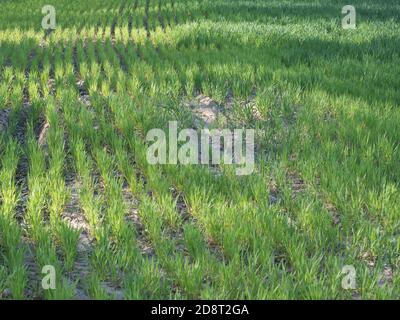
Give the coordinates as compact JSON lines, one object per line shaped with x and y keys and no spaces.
{"x":76,"y":189}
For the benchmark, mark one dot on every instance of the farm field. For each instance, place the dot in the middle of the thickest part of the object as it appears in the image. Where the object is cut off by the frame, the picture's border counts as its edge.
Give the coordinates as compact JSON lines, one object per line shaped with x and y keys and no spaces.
{"x":77,"y":192}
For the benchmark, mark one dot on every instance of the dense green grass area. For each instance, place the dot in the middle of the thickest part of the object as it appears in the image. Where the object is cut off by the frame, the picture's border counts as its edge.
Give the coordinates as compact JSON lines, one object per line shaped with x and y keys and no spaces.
{"x":77,"y":192}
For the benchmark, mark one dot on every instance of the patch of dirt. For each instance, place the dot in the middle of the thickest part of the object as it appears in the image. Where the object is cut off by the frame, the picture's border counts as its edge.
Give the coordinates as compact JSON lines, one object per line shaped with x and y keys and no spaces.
{"x":369,"y":258}
{"x":256,"y":113}
{"x":32,"y":271}
{"x":298,"y":185}
{"x":80,"y":83}
{"x":6,"y":294}
{"x":4,"y":117}
{"x":76,"y":219}
{"x":229,"y":99}
{"x":334,"y":214}
{"x":330,"y":207}
{"x":21,"y":177}
{"x":51,"y":83}
{"x":181,"y":206}
{"x":80,"y":271}
{"x":42,"y":139}
{"x":386,"y":277}
{"x":20,"y":131}
{"x":113,"y":290}
{"x":206,"y":111}
{"x":83,"y":93}
{"x":208,"y":114}
{"x":73,"y":214}
{"x":133,"y":218}
{"x":356,"y":295}
{"x":43,"y":43}
{"x":273,"y":192}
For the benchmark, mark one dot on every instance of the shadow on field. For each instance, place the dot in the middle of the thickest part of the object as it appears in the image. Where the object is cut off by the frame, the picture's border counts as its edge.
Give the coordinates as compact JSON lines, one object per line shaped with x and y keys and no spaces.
{"x":339,"y":67}
{"x":247,"y":11}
